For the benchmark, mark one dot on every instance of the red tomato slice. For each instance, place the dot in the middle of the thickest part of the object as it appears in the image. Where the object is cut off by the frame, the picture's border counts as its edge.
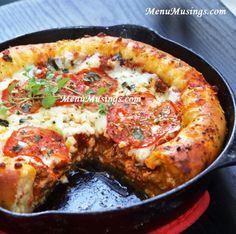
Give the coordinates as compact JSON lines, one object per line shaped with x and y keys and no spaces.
{"x":17,"y":93}
{"x":136,"y":124}
{"x":45,"y":144}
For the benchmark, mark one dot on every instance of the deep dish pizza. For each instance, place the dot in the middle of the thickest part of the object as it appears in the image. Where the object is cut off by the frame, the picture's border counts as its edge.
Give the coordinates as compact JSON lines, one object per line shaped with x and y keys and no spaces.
{"x":123,"y":103}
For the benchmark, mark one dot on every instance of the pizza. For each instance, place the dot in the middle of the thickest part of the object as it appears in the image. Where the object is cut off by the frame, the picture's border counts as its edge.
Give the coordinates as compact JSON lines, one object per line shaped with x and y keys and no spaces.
{"x":119,"y":102}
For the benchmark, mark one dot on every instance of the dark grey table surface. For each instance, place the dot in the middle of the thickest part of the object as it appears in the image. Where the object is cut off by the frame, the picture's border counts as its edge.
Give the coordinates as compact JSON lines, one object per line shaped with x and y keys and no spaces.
{"x":211,"y":36}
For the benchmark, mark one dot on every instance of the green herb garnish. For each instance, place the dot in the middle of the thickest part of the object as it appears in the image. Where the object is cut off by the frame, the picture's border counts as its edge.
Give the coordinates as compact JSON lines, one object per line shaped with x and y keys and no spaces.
{"x":3,"y":109}
{"x":102,"y":109}
{"x":50,"y":152}
{"x":16,"y":148}
{"x":11,"y":87}
{"x":138,"y":134}
{"x":101,"y":91}
{"x":48,"y":101}
{"x":62,"y":82}
{"x":21,"y":121}
{"x":52,"y":63}
{"x":26,"y":107}
{"x":89,"y":91}
{"x":37,"y":138}
{"x":91,"y":77}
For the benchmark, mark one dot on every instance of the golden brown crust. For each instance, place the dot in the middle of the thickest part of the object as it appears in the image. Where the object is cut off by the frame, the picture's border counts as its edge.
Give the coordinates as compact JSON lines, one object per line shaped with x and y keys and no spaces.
{"x":203,"y":122}
{"x":16,"y":180}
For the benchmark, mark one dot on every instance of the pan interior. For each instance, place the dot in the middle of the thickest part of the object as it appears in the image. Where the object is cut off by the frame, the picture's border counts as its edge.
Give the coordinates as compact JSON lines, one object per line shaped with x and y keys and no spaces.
{"x":91,"y":189}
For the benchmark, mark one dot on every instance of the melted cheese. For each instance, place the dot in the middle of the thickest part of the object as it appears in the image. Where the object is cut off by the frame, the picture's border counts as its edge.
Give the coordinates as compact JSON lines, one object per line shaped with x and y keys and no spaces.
{"x":69,"y":120}
{"x":140,"y":154}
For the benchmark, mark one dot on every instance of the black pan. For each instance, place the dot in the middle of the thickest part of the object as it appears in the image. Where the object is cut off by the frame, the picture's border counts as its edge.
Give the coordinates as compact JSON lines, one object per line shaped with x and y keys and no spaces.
{"x":95,"y":202}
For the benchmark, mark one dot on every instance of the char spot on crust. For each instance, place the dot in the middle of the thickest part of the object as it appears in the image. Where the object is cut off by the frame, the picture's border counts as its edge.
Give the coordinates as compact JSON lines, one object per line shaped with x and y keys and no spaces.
{"x":184,"y":166}
{"x":2,"y":165}
{"x":18,"y":165}
{"x":101,"y":34}
{"x":6,"y":56}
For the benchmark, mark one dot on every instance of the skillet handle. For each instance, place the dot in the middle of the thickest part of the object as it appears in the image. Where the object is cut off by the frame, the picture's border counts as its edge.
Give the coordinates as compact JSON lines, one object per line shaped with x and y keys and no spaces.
{"x":229,"y":156}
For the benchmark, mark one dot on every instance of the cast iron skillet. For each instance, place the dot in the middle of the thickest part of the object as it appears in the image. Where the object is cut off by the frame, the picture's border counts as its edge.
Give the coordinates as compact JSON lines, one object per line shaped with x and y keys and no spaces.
{"x":134,"y":214}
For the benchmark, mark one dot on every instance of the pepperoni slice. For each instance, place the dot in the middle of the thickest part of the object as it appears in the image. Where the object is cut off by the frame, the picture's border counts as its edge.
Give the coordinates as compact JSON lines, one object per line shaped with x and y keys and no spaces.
{"x":93,"y":82}
{"x":95,"y":79}
{"x":74,"y":87}
{"x":140,"y":124}
{"x":45,"y":144}
{"x":13,"y":96}
{"x":168,"y":121}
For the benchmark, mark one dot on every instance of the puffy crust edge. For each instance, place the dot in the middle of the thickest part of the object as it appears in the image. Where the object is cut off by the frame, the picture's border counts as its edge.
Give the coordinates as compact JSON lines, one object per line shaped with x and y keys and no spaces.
{"x":16,"y":183}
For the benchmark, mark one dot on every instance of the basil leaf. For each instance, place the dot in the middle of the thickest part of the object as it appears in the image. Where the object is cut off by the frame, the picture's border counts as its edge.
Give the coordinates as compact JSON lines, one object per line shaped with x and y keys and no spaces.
{"x":54,"y":89}
{"x":90,"y":91}
{"x":65,"y":70}
{"x":35,"y":89}
{"x":50,"y":90}
{"x":41,"y":81}
{"x":58,"y":78}
{"x":3,"y":109}
{"x":16,"y":148}
{"x":37,"y":138}
{"x":91,"y":77}
{"x":102,"y":109}
{"x":29,"y":68}
{"x":61,"y":83}
{"x":26,"y":107}
{"x":21,"y":121}
{"x":50,"y":75}
{"x":11,"y":87}
{"x":138,"y":134}
{"x":124,"y":84}
{"x":48,"y":101}
{"x":101,"y":91}
{"x":50,"y":152}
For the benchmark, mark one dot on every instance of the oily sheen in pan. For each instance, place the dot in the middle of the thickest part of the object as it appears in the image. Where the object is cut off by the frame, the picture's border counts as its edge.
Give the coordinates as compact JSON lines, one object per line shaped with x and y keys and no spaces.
{"x":119,"y":102}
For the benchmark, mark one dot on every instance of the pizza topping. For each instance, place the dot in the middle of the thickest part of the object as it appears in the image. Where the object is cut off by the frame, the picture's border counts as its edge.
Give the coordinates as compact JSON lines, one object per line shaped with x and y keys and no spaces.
{"x":138,"y":134}
{"x":3,"y":109}
{"x":6,"y":56}
{"x":97,"y":80}
{"x":65,"y":70}
{"x":29,"y":96}
{"x":140,"y":125}
{"x":118,"y":57}
{"x":37,"y":138}
{"x":52,"y":63}
{"x":18,"y":165}
{"x":26,"y":107}
{"x":16,"y":98}
{"x":103,"y":108}
{"x":160,"y":86}
{"x":91,"y":77}
{"x":23,"y":120}
{"x":40,"y":143}
{"x":4,"y":123}
{"x":16,"y":148}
